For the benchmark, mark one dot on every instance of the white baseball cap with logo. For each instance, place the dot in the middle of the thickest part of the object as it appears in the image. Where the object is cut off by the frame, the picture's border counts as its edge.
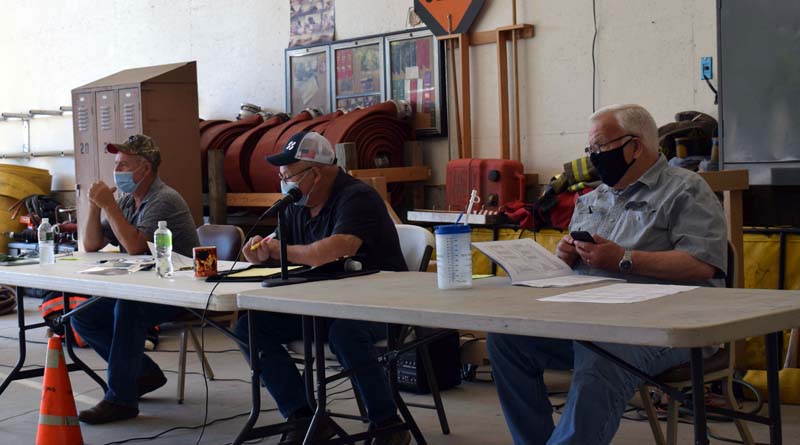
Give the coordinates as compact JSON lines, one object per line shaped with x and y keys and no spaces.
{"x":305,"y":146}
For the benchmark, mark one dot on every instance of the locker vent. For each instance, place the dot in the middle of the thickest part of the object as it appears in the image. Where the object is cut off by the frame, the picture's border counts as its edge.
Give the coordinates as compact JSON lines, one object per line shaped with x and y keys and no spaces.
{"x":83,"y":118}
{"x":105,"y":118}
{"x":129,"y":116}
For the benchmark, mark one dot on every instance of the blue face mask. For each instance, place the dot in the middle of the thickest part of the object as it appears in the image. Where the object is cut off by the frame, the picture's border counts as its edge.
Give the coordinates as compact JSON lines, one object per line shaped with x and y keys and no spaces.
{"x":288,"y":185}
{"x":125,"y":182}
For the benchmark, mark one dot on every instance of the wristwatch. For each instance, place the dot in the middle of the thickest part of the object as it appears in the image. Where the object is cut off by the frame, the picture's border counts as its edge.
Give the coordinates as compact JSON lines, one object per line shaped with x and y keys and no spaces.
{"x":626,"y":263}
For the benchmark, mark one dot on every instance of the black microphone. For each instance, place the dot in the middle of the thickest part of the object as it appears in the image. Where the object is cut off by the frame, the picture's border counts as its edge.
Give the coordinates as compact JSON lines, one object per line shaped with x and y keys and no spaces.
{"x":292,"y":196}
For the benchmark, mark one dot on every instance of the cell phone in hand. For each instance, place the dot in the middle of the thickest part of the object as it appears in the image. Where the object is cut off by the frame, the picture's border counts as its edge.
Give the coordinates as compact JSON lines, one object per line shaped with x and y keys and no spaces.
{"x":583,"y":236}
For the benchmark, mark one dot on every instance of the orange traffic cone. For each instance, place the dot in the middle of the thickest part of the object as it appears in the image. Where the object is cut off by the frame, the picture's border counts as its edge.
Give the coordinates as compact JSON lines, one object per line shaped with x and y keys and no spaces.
{"x":58,"y":417}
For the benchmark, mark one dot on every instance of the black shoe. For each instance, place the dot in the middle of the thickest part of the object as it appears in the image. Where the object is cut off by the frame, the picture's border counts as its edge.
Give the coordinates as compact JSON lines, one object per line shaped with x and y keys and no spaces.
{"x":402,"y":437}
{"x":296,"y":436}
{"x":151,"y":382}
{"x":107,"y":412}
{"x":151,"y":338}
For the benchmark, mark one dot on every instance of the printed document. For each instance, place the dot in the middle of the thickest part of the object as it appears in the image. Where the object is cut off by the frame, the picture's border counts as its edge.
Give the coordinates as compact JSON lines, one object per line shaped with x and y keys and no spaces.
{"x":530,"y":264}
{"x":620,"y":293}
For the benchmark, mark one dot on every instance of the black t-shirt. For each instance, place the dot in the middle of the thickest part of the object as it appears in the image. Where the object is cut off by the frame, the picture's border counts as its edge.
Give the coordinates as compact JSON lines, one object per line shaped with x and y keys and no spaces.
{"x":353,"y":208}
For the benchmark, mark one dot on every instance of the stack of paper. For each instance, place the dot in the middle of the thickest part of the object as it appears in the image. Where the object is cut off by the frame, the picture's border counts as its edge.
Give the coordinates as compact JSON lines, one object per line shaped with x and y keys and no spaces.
{"x":620,"y":293}
{"x":530,"y":264}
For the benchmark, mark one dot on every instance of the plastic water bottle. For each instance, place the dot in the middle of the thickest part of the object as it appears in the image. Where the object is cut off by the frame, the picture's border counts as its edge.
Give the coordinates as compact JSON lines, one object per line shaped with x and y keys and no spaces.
{"x":453,"y":256}
{"x":47,"y":247}
{"x":163,"y":240}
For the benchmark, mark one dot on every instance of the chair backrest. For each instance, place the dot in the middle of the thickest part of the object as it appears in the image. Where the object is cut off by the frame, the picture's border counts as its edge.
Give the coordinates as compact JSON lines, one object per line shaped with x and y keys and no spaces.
{"x":417,"y":245}
{"x":228,"y":239}
{"x":731,"y":275}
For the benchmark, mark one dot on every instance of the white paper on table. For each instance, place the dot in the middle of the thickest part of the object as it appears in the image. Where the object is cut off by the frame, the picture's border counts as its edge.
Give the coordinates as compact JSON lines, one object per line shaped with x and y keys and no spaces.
{"x":619,"y":293}
{"x":564,"y":281}
{"x":530,"y":264}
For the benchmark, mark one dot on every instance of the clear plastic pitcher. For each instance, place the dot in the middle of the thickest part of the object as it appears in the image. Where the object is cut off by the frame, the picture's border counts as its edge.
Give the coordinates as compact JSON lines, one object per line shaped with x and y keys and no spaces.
{"x":453,"y":256}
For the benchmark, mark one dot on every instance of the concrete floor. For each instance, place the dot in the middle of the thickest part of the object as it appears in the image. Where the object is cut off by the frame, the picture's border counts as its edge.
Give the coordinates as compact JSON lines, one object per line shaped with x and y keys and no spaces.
{"x":472,"y":408}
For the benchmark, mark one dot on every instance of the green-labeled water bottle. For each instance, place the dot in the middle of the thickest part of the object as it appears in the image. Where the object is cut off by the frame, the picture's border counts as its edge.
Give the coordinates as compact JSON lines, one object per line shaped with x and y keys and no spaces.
{"x":163,"y":240}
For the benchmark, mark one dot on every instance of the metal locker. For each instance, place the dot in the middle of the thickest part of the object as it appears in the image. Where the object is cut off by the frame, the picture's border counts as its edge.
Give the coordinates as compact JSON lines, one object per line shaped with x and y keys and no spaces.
{"x":85,"y":137}
{"x":106,"y":133}
{"x":159,"y":101}
{"x":129,"y":114}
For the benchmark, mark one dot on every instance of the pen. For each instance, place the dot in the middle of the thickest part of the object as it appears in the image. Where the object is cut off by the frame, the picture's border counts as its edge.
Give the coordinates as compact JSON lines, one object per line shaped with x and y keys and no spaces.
{"x":258,"y":244}
{"x":473,"y":198}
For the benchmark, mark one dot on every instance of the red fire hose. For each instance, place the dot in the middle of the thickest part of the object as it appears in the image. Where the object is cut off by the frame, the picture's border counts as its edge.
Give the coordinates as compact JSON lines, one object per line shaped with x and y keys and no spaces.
{"x":237,"y":156}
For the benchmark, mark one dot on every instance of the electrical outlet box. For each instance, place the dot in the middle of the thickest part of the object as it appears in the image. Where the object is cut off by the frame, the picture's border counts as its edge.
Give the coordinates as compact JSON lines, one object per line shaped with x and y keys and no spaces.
{"x":706,"y":70}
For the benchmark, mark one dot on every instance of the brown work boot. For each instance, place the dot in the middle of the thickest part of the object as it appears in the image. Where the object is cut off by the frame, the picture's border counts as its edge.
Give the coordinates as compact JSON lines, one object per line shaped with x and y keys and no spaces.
{"x":107,"y":412}
{"x":151,"y":382}
{"x":402,"y":437}
{"x":296,"y":436}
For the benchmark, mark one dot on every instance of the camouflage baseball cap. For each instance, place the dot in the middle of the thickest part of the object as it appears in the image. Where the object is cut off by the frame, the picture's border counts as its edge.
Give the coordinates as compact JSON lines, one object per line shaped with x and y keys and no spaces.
{"x":139,"y":145}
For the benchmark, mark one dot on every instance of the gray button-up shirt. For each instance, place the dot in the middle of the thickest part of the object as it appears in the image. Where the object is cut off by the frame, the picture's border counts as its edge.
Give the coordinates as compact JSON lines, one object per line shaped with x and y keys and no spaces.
{"x":162,"y":203}
{"x":668,"y":208}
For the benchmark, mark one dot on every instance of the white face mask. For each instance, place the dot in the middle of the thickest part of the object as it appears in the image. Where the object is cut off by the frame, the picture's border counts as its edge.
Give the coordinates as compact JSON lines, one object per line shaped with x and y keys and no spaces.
{"x":288,"y":185}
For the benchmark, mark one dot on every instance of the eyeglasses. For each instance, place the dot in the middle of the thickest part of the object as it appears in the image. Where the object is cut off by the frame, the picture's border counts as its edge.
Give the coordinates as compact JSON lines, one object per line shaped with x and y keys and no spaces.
{"x":286,"y":178}
{"x":597,"y":148}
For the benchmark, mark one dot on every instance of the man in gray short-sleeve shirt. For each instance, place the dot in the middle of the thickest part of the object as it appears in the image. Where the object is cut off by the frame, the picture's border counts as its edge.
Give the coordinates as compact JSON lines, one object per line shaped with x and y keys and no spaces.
{"x":651,"y":223}
{"x":115,"y":329}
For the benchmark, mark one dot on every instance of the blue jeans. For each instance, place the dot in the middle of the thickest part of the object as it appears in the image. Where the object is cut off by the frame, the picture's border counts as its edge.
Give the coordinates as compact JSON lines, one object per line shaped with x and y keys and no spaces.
{"x":598,"y":395}
{"x":352,"y":341}
{"x":116,"y":329}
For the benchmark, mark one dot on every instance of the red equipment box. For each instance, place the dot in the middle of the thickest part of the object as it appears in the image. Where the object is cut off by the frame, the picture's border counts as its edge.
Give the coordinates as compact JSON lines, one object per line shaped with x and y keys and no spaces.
{"x":498,"y":181}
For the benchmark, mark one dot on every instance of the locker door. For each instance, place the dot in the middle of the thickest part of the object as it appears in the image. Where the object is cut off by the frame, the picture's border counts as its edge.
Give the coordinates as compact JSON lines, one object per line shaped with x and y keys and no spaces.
{"x":84,"y":130}
{"x":107,"y":119}
{"x":130,"y":107}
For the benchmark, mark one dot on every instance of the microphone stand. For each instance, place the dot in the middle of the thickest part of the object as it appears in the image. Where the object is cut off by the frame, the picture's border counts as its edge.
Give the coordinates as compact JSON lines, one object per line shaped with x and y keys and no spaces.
{"x":285,"y":279}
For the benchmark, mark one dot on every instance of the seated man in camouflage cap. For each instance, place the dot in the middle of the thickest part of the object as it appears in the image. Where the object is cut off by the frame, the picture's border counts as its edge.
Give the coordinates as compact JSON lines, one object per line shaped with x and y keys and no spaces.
{"x":116,"y":328}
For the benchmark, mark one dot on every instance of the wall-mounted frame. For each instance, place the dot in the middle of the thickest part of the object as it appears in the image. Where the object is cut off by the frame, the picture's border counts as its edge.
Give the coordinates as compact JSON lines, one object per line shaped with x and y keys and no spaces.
{"x":357,"y":78}
{"x":308,"y":79}
{"x":414,"y":73}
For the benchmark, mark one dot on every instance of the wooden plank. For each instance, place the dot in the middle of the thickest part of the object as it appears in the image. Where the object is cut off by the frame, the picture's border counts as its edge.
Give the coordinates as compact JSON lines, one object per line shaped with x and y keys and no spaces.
{"x":252,"y":199}
{"x":347,"y":155}
{"x":466,"y":101}
{"x":416,"y":191}
{"x":735,"y":216}
{"x":731,"y":183}
{"x":531,"y":179}
{"x":217,"y":207}
{"x":502,"y":93}
{"x":378,"y":183}
{"x":453,"y":83}
{"x":395,"y":174}
{"x":524,"y":31}
{"x":727,"y":180}
{"x":515,"y":56}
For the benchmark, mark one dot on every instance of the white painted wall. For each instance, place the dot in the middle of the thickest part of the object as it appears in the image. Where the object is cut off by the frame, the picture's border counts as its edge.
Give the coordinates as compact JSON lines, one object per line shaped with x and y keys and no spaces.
{"x":647,"y":52}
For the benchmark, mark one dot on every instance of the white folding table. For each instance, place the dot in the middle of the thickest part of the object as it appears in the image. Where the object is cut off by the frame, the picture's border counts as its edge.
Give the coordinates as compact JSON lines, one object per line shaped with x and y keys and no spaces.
{"x":183,"y":290}
{"x":693,"y":319}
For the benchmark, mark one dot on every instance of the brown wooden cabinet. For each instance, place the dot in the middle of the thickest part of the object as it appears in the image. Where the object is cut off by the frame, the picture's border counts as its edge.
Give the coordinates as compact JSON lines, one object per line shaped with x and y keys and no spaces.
{"x":159,"y":101}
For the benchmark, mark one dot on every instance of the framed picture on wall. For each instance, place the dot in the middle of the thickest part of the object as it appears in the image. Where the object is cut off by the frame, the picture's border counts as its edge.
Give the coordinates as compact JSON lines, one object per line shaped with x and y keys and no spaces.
{"x":414,"y":67}
{"x":357,"y":75}
{"x":308,"y":79}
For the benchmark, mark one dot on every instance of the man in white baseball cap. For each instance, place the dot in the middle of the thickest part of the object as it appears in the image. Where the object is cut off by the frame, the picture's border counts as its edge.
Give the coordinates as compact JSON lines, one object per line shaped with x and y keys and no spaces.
{"x":337,"y":216}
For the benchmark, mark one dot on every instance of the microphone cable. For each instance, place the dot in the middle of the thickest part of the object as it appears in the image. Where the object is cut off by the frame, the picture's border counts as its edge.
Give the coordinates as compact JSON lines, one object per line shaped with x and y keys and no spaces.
{"x":205,"y":309}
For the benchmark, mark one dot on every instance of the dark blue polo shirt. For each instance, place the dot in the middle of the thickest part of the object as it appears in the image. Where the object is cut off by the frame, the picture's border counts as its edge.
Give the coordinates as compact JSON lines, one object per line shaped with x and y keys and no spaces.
{"x":353,"y":208}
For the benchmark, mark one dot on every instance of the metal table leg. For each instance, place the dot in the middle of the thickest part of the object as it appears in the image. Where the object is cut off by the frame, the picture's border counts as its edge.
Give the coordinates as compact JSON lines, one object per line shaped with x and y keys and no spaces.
{"x":69,"y":340}
{"x":322,"y":397}
{"x":77,"y":364}
{"x":773,"y":388}
{"x":255,"y":385}
{"x":698,"y":398}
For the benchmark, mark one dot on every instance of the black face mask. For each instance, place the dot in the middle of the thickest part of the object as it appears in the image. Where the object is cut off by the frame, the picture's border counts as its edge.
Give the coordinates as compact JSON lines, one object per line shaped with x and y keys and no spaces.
{"x":611,"y":164}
